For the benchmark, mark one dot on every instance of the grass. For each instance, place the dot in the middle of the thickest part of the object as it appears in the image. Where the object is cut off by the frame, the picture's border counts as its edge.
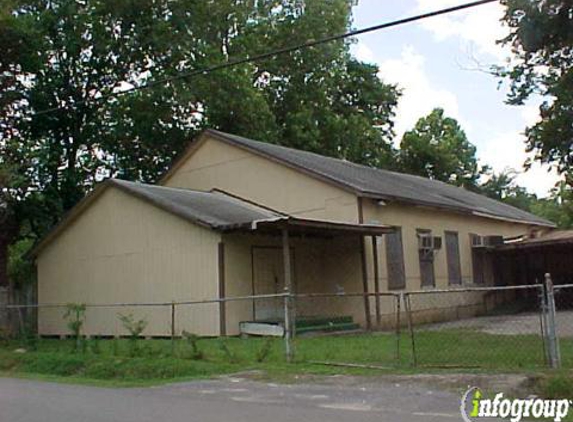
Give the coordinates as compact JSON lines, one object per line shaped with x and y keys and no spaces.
{"x":113,"y":362}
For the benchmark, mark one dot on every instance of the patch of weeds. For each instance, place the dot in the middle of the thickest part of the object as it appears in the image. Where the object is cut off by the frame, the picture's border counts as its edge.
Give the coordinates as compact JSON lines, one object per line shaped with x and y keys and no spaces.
{"x":115,"y":347}
{"x":75,"y":316}
{"x":265,"y":350}
{"x":95,"y":346}
{"x":229,"y":354}
{"x":557,"y":386}
{"x":192,"y":341}
{"x":28,"y":338}
{"x":52,"y":363}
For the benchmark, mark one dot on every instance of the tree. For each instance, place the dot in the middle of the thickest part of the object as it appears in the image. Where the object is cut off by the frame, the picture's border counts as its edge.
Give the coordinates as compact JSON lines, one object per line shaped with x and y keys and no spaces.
{"x":438,"y":148}
{"x":541,"y":37}
{"x":558,"y":207}
{"x":73,"y":56}
{"x":503,"y":187}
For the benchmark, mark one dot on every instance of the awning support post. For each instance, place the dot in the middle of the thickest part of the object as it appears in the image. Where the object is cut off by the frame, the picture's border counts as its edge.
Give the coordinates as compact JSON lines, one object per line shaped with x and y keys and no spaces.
{"x":376,"y":280}
{"x":288,"y":298}
{"x":365,"y":284}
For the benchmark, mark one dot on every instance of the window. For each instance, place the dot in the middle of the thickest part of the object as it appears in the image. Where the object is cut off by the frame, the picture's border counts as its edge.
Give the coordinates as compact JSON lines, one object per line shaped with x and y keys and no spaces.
{"x":426,"y":258}
{"x":395,"y":260}
{"x":453,"y":258}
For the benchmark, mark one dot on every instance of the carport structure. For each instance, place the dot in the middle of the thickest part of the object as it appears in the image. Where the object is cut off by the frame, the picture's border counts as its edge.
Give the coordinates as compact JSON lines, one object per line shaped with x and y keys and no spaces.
{"x":526,"y":261}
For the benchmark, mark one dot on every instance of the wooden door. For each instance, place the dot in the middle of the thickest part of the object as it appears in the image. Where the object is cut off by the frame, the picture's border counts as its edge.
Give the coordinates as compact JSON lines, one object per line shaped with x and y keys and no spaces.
{"x":268,"y":278}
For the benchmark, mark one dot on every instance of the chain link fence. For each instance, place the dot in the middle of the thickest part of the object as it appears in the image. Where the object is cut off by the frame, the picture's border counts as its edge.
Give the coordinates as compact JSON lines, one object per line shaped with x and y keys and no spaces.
{"x":477,"y":327}
{"x":509,"y":328}
{"x":564,"y":323}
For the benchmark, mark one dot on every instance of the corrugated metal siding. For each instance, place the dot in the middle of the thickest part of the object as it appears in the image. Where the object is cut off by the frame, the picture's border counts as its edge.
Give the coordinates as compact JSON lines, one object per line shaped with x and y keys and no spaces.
{"x":122,"y":249}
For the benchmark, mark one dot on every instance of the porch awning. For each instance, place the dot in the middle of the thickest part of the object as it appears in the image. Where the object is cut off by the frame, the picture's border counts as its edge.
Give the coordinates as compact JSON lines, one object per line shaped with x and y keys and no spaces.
{"x":311,"y":226}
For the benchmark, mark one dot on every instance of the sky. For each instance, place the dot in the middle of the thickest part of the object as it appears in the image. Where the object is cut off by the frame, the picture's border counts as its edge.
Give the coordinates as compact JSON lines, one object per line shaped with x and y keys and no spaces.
{"x":439,"y":62}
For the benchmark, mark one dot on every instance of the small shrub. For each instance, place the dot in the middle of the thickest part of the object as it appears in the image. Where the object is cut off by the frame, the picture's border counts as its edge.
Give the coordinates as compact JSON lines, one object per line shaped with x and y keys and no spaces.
{"x":265,"y":350}
{"x":192,"y":341}
{"x":229,"y":354}
{"x":135,"y":327}
{"x":75,"y":316}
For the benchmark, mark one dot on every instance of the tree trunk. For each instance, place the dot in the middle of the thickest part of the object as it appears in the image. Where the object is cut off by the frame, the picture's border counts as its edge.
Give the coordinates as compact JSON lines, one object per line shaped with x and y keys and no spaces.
{"x":8,"y":230}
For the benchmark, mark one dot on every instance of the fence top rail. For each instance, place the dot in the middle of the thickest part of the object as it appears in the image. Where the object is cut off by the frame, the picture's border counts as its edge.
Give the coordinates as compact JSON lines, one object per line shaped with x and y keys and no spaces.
{"x":150,"y":304}
{"x":474,"y":289}
{"x":562,"y":286}
{"x":354,"y":294}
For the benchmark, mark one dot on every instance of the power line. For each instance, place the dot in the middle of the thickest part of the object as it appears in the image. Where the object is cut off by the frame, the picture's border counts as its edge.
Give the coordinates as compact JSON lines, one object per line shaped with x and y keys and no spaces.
{"x":263,"y":56}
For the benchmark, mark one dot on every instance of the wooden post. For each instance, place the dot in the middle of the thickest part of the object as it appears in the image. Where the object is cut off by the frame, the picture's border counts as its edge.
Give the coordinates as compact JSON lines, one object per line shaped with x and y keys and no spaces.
{"x":376,"y":280}
{"x":398,"y":325}
{"x":365,"y":284}
{"x":287,"y":299}
{"x":222,"y":293}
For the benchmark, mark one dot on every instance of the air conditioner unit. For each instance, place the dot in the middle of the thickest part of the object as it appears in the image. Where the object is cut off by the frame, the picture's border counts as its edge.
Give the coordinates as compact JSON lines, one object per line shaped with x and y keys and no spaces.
{"x":478,"y":241}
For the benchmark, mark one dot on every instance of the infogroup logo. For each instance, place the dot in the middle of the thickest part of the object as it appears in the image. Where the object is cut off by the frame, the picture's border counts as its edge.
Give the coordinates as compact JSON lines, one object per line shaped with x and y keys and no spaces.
{"x":475,"y":406}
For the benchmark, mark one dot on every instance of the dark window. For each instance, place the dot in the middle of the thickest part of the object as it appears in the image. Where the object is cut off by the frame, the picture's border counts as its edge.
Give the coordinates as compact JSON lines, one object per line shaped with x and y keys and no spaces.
{"x":426,"y":257}
{"x":478,"y":257}
{"x":453,"y":258}
{"x":395,"y":260}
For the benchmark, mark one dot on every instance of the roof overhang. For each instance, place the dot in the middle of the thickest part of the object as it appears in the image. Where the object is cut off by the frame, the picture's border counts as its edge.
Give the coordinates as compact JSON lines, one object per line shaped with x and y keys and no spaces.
{"x":297,"y":225}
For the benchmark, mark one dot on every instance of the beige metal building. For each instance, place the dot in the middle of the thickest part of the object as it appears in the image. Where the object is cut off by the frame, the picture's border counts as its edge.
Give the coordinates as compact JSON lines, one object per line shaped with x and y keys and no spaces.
{"x":220,"y":221}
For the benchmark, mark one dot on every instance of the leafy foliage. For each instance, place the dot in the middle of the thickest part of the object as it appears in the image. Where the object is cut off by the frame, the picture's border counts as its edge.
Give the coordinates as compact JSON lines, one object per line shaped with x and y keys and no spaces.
{"x":76,"y":316}
{"x":438,"y":148}
{"x":135,"y":327}
{"x":70,"y":54}
{"x":541,"y":38}
{"x":557,"y":207}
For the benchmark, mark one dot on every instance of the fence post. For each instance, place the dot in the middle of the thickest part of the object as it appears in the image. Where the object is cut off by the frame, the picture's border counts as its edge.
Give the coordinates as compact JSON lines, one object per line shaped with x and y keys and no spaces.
{"x":408,"y":308}
{"x":543,"y":320}
{"x":173,"y":327}
{"x":552,"y":339}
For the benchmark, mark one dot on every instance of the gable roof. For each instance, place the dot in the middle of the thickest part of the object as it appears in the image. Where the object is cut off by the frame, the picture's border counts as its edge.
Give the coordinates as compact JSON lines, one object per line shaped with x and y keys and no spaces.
{"x":214,"y":210}
{"x":384,"y":184}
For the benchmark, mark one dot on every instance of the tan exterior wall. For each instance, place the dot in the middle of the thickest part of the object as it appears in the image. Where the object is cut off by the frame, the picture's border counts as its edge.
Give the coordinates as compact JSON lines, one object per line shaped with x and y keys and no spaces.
{"x":411,"y":218}
{"x":216,"y":164}
{"x":320,"y":266}
{"x":123,"y":250}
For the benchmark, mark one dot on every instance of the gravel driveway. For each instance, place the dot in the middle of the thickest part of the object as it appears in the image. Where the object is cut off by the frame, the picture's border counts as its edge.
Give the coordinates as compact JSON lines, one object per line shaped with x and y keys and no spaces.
{"x":527,"y":323}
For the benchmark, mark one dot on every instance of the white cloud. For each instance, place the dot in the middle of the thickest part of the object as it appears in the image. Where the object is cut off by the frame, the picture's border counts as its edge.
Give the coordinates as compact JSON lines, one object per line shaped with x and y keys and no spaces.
{"x":362,"y":52}
{"x":419,"y":96}
{"x":507,"y":151}
{"x":479,"y":26}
